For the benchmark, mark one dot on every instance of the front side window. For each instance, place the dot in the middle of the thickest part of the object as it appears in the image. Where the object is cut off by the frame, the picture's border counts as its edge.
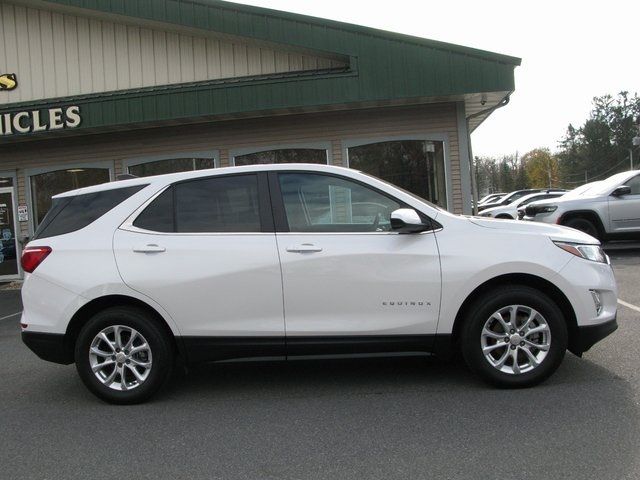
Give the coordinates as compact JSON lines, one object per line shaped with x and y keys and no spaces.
{"x":287,"y":155}
{"x":634,"y":183}
{"x":226,"y":204}
{"x":413,"y":165}
{"x":172,"y":165}
{"x":323,"y":203}
{"x":46,"y":185}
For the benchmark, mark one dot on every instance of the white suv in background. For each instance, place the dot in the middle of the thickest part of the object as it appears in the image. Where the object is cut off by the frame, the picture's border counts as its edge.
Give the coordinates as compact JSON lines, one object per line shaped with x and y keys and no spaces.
{"x":510,"y":211}
{"x":296,"y":260}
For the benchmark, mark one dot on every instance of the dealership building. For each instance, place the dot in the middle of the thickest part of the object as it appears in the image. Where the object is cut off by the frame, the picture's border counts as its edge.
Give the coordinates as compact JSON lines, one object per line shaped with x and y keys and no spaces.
{"x":93,"y":89}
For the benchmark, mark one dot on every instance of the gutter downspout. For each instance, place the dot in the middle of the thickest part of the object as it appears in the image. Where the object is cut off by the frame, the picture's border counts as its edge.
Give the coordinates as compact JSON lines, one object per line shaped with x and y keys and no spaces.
{"x":474,"y":186}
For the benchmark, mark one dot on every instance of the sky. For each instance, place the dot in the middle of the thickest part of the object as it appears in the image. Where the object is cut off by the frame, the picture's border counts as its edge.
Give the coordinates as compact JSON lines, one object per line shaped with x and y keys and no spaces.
{"x":571,"y":52}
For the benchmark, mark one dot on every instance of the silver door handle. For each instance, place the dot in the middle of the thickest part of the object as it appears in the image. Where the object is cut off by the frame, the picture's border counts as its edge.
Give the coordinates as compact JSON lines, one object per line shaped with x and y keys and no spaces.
{"x":150,"y":248}
{"x":304,"y":248}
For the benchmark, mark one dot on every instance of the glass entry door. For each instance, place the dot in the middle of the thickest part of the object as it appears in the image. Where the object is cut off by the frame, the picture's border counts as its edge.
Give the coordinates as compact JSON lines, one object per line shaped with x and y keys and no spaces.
{"x":8,"y":246}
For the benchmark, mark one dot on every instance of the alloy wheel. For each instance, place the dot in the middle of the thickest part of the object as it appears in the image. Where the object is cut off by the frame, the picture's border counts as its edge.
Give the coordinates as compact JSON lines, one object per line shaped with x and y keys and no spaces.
{"x":120,"y":358}
{"x":515,"y":339}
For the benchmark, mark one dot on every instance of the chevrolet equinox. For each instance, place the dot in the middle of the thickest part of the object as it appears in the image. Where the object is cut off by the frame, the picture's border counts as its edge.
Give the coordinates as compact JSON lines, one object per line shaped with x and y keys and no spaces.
{"x":124,"y":278}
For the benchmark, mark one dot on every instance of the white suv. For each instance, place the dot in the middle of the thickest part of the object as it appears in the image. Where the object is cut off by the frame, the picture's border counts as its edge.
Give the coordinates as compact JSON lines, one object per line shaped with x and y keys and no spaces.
{"x":295,"y":260}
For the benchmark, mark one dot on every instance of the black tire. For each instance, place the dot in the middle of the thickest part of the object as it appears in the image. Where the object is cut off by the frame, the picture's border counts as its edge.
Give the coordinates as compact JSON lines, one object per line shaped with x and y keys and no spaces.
{"x":584,"y":225}
{"x":504,"y":216}
{"x":492,"y":302}
{"x":159,"y":343}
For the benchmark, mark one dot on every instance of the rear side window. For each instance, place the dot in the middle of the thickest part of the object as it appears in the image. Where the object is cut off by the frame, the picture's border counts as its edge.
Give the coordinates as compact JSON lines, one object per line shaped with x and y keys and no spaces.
{"x":227,"y":204}
{"x":158,"y":216}
{"x":68,"y":214}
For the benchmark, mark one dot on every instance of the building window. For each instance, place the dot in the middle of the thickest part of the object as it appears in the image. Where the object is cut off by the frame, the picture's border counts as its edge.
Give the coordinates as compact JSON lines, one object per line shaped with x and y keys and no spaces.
{"x":46,"y":185}
{"x":415,"y":165}
{"x":285,"y":155}
{"x":170,"y":165}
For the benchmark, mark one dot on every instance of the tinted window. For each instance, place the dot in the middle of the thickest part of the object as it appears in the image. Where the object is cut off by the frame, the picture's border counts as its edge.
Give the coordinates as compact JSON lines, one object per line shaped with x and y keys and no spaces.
{"x":321,"y":203}
{"x":69,"y":214}
{"x":220,"y":204}
{"x":158,"y":216}
{"x":46,"y":185}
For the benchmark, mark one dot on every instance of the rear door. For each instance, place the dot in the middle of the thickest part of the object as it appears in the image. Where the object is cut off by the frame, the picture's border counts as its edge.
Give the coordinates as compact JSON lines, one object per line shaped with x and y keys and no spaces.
{"x":205,"y":250}
{"x":350,"y":283}
{"x":624,"y":211}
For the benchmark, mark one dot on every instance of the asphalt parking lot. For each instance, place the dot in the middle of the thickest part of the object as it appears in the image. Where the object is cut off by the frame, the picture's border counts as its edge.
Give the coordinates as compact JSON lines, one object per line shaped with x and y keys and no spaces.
{"x":381,"y":418}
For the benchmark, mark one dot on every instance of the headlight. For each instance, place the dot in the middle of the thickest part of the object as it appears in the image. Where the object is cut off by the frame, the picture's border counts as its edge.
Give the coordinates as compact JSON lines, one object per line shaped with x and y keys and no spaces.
{"x":546,"y":209}
{"x":588,"y":252}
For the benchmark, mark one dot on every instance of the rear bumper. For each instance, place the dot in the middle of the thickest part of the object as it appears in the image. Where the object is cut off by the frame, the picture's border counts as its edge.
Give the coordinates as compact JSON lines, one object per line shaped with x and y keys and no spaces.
{"x":51,"y":347}
{"x":588,"y":336}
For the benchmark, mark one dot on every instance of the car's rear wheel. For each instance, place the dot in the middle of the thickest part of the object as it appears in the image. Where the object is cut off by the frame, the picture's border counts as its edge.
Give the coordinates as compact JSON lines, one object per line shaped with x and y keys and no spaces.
{"x":584,"y":225}
{"x":514,"y":337}
{"x":123,"y":356}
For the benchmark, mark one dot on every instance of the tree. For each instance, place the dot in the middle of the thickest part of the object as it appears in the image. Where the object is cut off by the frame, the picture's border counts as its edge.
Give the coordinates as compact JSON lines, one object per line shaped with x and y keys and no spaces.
{"x":499,"y":175}
{"x":542,"y":168}
{"x":600,"y":147}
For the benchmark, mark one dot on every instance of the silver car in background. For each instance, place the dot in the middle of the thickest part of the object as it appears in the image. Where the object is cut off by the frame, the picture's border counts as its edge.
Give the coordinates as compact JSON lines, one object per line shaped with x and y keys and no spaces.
{"x":606,"y":210}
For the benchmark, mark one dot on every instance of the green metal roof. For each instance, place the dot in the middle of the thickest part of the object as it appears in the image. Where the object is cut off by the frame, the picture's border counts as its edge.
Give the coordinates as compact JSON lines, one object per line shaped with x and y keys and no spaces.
{"x":383,"y":66}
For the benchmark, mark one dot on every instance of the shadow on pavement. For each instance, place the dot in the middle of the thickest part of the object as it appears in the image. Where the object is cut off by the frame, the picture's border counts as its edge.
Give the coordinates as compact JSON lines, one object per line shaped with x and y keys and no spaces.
{"x":367,"y":418}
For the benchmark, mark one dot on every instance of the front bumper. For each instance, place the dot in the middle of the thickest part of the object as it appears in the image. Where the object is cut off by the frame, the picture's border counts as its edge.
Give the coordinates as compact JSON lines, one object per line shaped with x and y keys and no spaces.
{"x":52,"y":347}
{"x":587,"y":336}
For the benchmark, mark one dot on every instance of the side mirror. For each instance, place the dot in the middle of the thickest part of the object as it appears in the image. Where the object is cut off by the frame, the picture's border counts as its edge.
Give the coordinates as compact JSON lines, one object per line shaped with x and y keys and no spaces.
{"x":406,"y":220}
{"x":621,"y":191}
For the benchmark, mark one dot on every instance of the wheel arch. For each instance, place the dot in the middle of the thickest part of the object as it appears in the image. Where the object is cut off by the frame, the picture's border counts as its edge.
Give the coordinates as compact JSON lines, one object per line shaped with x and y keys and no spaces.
{"x":88,"y":310}
{"x":590,"y":215}
{"x":528,"y":280}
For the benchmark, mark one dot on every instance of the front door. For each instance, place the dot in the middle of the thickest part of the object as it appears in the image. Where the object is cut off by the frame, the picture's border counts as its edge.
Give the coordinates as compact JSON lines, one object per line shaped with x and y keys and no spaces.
{"x":350,"y":283}
{"x":8,"y":246}
{"x":624,"y":211}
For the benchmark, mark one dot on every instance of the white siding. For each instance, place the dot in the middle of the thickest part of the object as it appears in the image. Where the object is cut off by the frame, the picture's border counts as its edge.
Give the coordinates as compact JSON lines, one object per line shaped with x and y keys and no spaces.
{"x":59,"y":55}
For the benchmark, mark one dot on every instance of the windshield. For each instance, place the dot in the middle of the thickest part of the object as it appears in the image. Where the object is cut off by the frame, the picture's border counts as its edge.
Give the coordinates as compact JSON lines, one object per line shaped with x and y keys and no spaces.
{"x":582,"y":190}
{"x":610,"y":183}
{"x":494,"y":197}
{"x":529,"y":199}
{"x":515,"y":196}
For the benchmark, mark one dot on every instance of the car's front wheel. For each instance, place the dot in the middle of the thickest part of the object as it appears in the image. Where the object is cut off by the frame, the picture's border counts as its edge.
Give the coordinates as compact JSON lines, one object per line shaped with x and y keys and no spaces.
{"x":123,"y":356}
{"x":514,"y":336}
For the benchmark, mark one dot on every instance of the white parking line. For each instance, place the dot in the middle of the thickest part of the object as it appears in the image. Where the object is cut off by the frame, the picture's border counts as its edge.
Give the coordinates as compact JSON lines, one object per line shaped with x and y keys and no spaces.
{"x":629,"y":305}
{"x":9,"y":316}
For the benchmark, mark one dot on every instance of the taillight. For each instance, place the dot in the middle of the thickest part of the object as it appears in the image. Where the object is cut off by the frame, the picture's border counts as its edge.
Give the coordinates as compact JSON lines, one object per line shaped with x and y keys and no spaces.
{"x":33,"y":256}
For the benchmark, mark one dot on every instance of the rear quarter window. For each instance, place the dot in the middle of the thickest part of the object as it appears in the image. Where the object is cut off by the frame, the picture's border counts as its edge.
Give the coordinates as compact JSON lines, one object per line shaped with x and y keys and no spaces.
{"x":69,"y":214}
